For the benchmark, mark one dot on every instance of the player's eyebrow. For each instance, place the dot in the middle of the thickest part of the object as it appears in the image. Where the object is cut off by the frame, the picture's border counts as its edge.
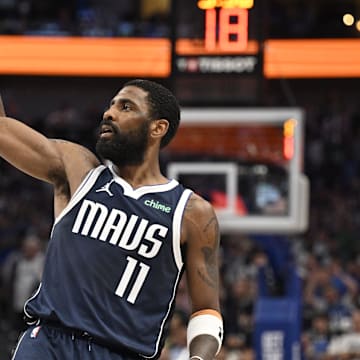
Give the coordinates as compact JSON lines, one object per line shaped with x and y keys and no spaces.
{"x":122,"y":101}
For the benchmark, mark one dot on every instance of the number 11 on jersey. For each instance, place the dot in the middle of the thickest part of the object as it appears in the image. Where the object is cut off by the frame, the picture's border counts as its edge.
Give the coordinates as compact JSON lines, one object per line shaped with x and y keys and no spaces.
{"x":129,"y":272}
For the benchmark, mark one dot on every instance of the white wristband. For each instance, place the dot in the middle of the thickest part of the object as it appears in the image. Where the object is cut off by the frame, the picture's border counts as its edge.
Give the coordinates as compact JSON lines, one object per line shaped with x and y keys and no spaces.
{"x":206,"y":324}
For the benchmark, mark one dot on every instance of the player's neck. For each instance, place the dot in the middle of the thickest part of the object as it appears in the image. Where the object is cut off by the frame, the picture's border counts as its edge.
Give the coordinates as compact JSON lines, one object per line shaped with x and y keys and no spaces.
{"x":148,"y":173}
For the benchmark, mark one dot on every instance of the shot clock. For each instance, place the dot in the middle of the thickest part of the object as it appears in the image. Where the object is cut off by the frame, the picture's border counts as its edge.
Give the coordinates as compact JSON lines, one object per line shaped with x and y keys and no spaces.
{"x":218,"y":52}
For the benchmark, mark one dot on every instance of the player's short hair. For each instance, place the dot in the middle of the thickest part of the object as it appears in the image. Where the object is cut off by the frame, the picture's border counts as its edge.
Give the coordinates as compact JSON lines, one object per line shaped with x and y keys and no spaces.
{"x":163,"y":105}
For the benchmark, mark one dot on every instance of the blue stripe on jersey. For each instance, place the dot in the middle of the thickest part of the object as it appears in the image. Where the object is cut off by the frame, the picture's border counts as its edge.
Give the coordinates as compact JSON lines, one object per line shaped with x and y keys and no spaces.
{"x":115,"y":248}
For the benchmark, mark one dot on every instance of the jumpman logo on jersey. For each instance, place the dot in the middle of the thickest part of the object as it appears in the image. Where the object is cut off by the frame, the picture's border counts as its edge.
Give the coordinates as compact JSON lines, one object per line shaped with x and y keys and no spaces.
{"x":106,"y":188}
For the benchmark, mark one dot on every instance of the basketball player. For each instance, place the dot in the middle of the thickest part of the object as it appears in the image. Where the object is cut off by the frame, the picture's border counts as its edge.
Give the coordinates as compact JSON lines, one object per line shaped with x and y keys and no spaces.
{"x":123,"y":235}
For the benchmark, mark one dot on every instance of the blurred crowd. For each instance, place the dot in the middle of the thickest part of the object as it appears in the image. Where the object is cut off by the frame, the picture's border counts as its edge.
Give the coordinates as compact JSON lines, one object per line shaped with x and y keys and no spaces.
{"x":326,"y":258}
{"x":81,"y":18}
{"x":150,"y":18}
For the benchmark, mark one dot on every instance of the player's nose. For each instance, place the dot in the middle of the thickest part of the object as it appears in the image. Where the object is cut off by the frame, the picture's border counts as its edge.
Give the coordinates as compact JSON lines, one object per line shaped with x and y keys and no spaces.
{"x":107,"y":115}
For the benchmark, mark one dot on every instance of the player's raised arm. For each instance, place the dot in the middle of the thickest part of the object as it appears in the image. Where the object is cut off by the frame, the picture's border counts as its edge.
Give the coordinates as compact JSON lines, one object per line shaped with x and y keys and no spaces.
{"x":36,"y":155}
{"x":2,"y":109}
{"x":205,"y":329}
{"x":29,"y":151}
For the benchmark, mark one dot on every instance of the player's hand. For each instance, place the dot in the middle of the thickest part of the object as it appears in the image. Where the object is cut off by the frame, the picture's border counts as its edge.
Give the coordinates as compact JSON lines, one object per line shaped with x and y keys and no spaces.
{"x":2,"y":109}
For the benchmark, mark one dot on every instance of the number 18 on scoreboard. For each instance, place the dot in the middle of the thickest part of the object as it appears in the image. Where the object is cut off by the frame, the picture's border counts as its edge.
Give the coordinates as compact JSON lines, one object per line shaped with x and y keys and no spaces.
{"x":226,"y":23}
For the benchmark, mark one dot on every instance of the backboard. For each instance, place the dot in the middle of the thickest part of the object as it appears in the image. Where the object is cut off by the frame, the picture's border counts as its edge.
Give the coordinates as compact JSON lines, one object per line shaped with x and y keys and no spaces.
{"x":247,"y":163}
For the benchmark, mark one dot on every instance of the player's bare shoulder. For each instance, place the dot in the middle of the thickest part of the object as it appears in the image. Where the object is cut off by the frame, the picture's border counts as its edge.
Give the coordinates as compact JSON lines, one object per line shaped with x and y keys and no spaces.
{"x":78,"y":161}
{"x":200,"y":221}
{"x":71,"y":149}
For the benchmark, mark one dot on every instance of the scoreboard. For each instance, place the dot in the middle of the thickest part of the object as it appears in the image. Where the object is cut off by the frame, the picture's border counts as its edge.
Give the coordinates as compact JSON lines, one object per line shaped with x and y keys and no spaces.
{"x":217,"y":51}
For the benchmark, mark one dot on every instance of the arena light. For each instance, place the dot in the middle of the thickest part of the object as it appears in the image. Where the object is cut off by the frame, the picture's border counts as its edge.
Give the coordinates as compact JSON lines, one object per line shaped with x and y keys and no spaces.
{"x":348,"y":19}
{"x":358,"y":25}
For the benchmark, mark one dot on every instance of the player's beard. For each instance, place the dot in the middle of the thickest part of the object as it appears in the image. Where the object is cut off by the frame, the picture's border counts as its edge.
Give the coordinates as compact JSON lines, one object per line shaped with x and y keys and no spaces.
{"x":124,"y":149}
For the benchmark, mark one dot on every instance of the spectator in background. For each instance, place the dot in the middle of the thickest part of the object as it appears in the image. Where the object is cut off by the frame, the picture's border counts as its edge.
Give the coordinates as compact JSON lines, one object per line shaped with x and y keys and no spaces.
{"x":353,"y":269}
{"x":238,"y":314}
{"x":338,"y":309}
{"x":315,"y":341}
{"x":347,"y":345}
{"x":21,"y":276}
{"x":177,"y":346}
{"x":330,"y":289}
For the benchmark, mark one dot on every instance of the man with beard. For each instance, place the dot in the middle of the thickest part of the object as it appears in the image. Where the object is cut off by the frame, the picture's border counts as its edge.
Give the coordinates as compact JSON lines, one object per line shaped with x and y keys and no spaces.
{"x":123,"y":236}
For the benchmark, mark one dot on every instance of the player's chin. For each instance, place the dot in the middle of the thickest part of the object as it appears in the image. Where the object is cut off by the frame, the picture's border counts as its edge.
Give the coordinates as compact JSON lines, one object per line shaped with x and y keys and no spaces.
{"x":107,"y":148}
{"x":104,"y":142}
{"x":102,"y":146}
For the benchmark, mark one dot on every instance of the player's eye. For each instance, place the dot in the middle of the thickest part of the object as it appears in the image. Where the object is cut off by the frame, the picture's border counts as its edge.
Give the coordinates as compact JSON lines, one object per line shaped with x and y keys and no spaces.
{"x":126,"y":106}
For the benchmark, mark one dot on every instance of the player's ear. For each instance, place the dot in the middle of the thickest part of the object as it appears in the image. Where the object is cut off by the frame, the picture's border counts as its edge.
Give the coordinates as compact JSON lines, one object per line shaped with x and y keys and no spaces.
{"x":158,"y":128}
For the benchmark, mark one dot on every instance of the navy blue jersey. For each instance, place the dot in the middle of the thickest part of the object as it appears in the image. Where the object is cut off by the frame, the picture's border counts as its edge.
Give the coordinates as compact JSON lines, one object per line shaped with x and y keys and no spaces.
{"x":114,"y":261}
